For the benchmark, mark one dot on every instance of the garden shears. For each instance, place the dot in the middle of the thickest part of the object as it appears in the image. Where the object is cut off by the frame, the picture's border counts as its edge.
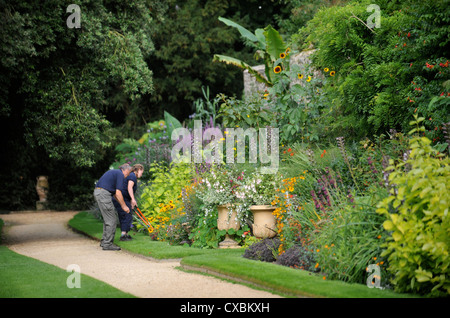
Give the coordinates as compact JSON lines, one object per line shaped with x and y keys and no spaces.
{"x":142,"y":219}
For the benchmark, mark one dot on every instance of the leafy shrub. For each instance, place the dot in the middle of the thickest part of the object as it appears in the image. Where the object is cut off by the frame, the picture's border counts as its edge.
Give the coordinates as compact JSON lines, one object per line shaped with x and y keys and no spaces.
{"x":252,"y":112}
{"x":177,"y":231}
{"x":264,"y":250}
{"x":383,"y":74}
{"x":297,"y":257}
{"x":206,"y":233}
{"x":160,"y":197}
{"x":418,"y":220}
{"x":351,"y":238}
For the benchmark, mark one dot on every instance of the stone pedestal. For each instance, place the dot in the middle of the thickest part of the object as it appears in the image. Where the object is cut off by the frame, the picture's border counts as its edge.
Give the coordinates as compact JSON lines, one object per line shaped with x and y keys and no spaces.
{"x":41,"y":205}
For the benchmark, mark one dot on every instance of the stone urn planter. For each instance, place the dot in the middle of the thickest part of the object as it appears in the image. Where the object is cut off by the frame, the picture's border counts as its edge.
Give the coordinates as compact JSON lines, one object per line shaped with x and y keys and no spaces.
{"x":264,"y":222}
{"x":227,"y":219}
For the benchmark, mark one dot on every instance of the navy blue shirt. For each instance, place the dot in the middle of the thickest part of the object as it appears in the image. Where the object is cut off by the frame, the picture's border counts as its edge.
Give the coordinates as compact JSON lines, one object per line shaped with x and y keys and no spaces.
{"x":111,"y":180}
{"x":131,"y":177}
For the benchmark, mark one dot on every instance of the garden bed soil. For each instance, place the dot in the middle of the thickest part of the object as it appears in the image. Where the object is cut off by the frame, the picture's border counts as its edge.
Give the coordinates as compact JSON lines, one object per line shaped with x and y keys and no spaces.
{"x":45,"y":236}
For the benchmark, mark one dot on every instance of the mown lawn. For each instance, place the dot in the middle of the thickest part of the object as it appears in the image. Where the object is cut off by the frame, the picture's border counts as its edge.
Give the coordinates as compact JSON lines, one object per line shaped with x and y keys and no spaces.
{"x":230,"y":263}
{"x":25,"y":277}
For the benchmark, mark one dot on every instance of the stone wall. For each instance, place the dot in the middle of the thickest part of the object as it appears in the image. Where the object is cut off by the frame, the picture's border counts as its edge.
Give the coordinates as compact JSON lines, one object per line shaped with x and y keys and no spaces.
{"x":251,"y":85}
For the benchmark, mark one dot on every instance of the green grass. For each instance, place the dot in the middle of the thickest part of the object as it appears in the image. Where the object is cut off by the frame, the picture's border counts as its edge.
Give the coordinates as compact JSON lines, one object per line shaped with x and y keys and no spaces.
{"x":25,"y":277}
{"x":285,"y":280}
{"x":231,"y":264}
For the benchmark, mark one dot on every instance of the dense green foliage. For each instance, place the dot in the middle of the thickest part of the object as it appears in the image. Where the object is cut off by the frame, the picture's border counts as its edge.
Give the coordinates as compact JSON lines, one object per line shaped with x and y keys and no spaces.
{"x":383,"y":75}
{"x":58,"y":83}
{"x":69,"y":96}
{"x":417,"y":217}
{"x":190,"y":35}
{"x":66,"y":75}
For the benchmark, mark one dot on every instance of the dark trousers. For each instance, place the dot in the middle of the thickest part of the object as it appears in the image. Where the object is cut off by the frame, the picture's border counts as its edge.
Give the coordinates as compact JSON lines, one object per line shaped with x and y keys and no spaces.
{"x":125,"y":218}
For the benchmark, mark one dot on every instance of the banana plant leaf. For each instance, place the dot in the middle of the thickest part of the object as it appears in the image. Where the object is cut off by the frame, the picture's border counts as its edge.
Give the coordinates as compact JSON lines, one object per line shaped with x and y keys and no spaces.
{"x":243,"y":65}
{"x":255,"y":39}
{"x":274,"y":43}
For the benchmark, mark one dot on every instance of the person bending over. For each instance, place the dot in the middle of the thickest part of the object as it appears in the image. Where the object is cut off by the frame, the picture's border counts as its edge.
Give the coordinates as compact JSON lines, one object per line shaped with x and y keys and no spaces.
{"x":108,"y":186}
{"x":128,"y":191}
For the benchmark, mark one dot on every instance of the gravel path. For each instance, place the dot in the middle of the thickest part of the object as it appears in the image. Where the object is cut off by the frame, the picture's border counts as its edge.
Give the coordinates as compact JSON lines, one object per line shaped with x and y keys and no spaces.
{"x":45,"y":236}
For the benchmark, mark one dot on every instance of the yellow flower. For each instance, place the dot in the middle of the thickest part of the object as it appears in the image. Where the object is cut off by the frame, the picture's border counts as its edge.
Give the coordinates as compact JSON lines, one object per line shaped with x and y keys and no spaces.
{"x":282,"y":55}
{"x":326,"y":69}
{"x":300,"y":76}
{"x":332,"y":73}
{"x":309,"y":79}
{"x":288,"y":50}
{"x":277,"y":69}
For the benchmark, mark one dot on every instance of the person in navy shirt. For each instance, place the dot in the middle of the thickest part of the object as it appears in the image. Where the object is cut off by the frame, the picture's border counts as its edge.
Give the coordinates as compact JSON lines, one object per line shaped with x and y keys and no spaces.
{"x":107,"y":187}
{"x":128,"y":190}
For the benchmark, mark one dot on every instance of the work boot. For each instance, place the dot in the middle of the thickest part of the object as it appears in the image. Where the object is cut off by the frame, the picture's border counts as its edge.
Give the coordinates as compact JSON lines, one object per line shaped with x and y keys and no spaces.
{"x":111,"y":247}
{"x":125,"y":237}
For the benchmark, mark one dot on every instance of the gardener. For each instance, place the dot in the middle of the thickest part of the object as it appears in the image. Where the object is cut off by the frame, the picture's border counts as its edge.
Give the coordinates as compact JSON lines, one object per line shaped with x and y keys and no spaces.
{"x":108,"y":186}
{"x":128,"y":190}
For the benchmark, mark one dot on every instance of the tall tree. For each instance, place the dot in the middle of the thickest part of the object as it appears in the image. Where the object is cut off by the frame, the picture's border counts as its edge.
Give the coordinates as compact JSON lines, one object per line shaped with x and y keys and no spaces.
{"x":65,"y":75}
{"x":57,"y":84}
